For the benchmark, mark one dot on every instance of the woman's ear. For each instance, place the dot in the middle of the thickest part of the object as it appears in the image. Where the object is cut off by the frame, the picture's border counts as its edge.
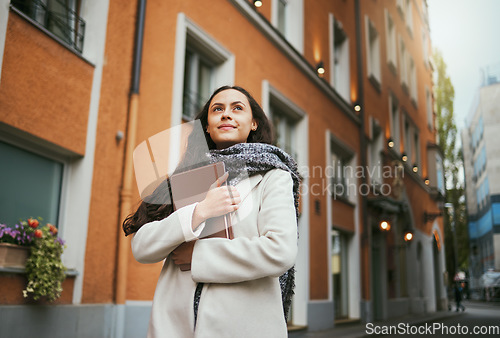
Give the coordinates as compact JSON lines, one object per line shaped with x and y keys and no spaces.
{"x":254,"y":125}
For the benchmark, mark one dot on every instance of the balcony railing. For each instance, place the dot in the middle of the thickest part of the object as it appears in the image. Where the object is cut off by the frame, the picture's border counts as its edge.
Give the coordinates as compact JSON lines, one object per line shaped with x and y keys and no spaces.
{"x":57,"y":17}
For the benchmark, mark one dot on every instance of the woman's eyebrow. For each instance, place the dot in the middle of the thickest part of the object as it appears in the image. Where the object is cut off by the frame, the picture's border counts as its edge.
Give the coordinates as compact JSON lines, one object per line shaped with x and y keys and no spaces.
{"x":232,"y":103}
{"x":237,"y":102}
{"x":216,"y":104}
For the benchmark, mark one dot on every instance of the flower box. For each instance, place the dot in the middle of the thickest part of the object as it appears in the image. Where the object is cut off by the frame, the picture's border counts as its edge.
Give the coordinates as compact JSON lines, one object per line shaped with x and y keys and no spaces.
{"x":13,"y":256}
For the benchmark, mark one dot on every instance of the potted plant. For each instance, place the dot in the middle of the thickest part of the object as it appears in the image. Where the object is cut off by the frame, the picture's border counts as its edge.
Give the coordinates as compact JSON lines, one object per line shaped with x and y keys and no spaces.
{"x":44,"y":269}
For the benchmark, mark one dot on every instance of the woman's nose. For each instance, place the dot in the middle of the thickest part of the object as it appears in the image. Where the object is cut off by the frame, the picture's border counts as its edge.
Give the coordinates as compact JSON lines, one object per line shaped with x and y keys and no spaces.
{"x":226,"y":114}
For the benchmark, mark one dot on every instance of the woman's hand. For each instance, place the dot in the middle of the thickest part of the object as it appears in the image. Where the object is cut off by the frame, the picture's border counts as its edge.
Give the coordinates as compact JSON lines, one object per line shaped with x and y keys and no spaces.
{"x":183,"y":254}
{"x":219,"y":201}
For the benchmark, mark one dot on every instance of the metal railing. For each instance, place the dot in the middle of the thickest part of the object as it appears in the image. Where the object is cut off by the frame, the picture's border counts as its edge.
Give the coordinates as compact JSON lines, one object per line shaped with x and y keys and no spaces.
{"x":57,"y":17}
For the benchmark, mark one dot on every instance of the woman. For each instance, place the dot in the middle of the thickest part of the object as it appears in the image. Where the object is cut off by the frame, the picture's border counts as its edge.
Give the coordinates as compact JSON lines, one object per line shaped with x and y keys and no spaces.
{"x":235,"y":287}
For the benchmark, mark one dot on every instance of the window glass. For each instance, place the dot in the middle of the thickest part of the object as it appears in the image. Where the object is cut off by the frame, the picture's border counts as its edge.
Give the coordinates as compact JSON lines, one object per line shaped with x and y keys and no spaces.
{"x":62,"y":18}
{"x":282,"y":16}
{"x":374,"y":51}
{"x":341,"y":72}
{"x":391,"y":41}
{"x":30,"y":185}
{"x":198,"y":79}
{"x":284,"y":130}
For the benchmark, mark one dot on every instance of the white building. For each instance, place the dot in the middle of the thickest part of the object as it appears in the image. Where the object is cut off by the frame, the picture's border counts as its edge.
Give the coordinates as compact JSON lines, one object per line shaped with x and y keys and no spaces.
{"x":481,"y":151}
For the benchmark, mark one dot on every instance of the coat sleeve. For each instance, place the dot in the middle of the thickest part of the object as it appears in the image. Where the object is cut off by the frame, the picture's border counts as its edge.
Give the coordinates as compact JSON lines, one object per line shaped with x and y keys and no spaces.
{"x":219,"y":260}
{"x":154,"y":241}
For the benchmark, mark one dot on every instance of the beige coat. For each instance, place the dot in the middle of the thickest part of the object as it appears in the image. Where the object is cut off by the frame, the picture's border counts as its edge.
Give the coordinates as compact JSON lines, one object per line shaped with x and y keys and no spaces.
{"x":242,"y":295}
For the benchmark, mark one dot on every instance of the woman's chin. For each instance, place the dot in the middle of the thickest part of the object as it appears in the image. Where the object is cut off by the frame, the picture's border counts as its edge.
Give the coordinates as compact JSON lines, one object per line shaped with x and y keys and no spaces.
{"x":227,"y":142}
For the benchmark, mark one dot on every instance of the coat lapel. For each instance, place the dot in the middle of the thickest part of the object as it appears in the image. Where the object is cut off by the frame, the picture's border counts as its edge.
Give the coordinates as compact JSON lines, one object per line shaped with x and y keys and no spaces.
{"x":246,"y":186}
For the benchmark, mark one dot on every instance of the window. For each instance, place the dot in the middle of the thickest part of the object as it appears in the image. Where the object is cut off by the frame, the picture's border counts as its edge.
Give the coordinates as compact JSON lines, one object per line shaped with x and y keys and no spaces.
{"x":391,"y":41}
{"x":413,"y":81}
{"x":289,"y":122}
{"x":339,"y":184}
{"x":282,"y":16}
{"x":60,"y":17}
{"x":339,"y":59}
{"x":201,"y":64}
{"x":409,"y":16}
{"x":373,"y":49}
{"x":430,"y":116}
{"x":425,"y":12}
{"x":395,"y":123}
{"x":375,"y":148}
{"x":31,"y":186}
{"x":425,"y":43}
{"x":408,"y":140}
{"x":400,"y":5}
{"x":416,"y":153}
{"x":339,"y":258}
{"x":287,"y":16}
{"x":284,"y":128}
{"x":403,"y":68}
{"x":340,"y":169}
{"x":198,"y":82}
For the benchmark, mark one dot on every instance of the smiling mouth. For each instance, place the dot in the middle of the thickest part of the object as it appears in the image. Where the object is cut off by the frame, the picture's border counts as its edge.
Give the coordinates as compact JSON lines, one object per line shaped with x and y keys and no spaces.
{"x":226,"y":127}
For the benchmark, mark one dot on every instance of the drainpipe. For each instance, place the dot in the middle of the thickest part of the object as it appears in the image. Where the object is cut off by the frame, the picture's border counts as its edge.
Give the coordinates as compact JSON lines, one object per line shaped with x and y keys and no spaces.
{"x":128,"y":176}
{"x":365,"y":239}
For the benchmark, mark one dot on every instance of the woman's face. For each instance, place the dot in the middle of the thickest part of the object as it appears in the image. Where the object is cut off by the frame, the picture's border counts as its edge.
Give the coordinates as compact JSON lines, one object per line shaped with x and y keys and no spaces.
{"x":230,"y":118}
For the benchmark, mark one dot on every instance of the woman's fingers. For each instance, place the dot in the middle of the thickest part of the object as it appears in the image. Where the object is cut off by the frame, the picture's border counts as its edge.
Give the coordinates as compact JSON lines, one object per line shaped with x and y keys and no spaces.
{"x":219,"y":201}
{"x":220,"y":180}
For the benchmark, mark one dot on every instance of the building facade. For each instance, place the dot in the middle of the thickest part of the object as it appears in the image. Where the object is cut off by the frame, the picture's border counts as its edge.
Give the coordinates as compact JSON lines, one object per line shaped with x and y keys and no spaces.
{"x":480,"y":152}
{"x":347,"y":84}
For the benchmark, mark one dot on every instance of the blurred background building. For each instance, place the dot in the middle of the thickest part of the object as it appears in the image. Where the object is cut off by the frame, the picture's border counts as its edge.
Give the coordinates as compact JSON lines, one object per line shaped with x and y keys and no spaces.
{"x":482,"y":178}
{"x":347,"y":84}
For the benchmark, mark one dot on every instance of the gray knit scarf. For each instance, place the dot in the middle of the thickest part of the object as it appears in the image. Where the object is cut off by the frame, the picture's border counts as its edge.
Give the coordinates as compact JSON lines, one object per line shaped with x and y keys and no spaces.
{"x":247,"y":159}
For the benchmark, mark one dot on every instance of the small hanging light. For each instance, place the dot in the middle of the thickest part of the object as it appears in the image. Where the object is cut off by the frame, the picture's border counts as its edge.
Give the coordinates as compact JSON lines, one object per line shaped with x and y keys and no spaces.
{"x":320,"y":68}
{"x":404,"y":157}
{"x":408,"y":236}
{"x":257,"y":3}
{"x":390,"y":142}
{"x":415,"y":168}
{"x":384,"y":225}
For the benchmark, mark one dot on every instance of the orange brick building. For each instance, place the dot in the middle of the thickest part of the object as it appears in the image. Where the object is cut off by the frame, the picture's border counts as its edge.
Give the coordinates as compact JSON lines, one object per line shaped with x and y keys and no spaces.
{"x":348,"y":86}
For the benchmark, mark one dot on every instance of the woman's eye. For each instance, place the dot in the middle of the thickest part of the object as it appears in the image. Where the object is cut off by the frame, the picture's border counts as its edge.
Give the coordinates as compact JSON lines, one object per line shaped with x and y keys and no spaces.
{"x":238,"y":108}
{"x":217,"y":109}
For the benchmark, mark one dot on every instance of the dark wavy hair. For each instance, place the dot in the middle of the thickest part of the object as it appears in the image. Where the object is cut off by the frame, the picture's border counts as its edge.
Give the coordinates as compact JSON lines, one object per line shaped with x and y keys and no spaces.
{"x":148,"y":212}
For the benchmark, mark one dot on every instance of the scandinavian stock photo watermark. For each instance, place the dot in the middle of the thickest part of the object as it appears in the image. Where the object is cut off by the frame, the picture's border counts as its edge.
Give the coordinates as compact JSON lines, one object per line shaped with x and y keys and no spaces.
{"x":432,"y":329}
{"x":344,"y":181}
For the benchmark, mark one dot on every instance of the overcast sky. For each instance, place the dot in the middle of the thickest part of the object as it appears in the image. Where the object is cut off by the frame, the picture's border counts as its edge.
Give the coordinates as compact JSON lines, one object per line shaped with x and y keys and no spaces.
{"x":468,"y":34}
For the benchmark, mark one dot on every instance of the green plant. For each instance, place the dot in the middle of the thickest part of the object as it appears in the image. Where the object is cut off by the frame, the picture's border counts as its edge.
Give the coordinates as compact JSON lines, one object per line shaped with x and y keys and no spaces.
{"x":45,"y":271}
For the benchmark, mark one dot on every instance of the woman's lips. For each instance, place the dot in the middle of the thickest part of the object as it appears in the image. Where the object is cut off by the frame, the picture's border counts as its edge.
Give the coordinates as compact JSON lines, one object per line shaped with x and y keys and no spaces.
{"x":226,"y":127}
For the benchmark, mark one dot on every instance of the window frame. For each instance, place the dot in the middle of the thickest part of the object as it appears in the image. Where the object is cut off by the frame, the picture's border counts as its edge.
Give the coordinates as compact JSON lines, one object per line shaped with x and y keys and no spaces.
{"x":70,"y":30}
{"x":395,"y":124}
{"x":403,"y":64}
{"x":193,"y":82}
{"x":341,"y":72}
{"x":39,"y":148}
{"x":224,"y":72}
{"x":375,"y":147}
{"x":428,"y":104}
{"x":413,"y":81}
{"x":373,"y":59}
{"x":391,"y":42}
{"x":346,"y":157}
